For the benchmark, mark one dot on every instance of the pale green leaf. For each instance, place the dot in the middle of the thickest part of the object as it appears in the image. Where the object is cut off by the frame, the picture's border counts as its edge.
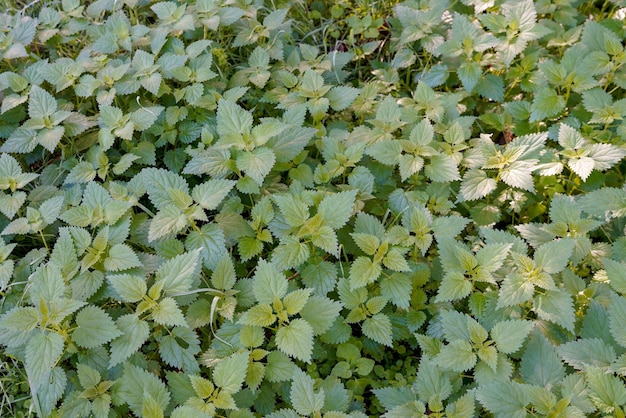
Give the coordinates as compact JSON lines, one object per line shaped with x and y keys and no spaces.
{"x":130,"y":288}
{"x":179,"y":273}
{"x":336,"y":209}
{"x":230,"y":373}
{"x":167,"y":312}
{"x":556,"y":306}
{"x":363,"y":272}
{"x":378,"y":328}
{"x":476,"y":185}
{"x":211,"y":193}
{"x":456,"y":356}
{"x":135,"y":333}
{"x":42,"y":352}
{"x":94,"y":327}
{"x":121,"y":257}
{"x":137,"y":384}
{"x":296,"y":339}
{"x":295,"y":301}
{"x":303,"y":398}
{"x":553,"y":256}
{"x":617,"y":319}
{"x":269,"y":283}
{"x":504,"y":399}
{"x":320,"y":312}
{"x":605,"y":390}
{"x":256,"y":163}
{"x":510,"y":335}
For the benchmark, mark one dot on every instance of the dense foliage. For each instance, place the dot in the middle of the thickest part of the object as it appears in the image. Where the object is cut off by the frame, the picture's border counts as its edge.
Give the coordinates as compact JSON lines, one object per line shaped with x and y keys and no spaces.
{"x":290,"y":208}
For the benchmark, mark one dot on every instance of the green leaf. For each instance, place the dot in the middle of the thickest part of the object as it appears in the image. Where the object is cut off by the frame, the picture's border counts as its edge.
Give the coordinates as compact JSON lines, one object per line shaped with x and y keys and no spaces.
{"x":397,"y":288}
{"x":430,"y":383}
{"x":442,"y":168}
{"x":504,"y":399}
{"x":257,"y":163}
{"x":293,"y":210}
{"x":587,"y":352}
{"x":342,"y":96}
{"x":363,"y":272}
{"x":553,"y":256}
{"x":320,"y":313}
{"x":605,"y":390}
{"x":290,"y":253}
{"x":261,"y":315}
{"x":42,"y":353}
{"x":556,"y":306}
{"x":178,"y":274}
{"x":378,"y":328}
{"x":510,"y":335}
{"x":476,"y":185}
{"x":453,"y":286}
{"x":94,"y":327}
{"x":224,"y":277}
{"x":269,"y":283}
{"x":616,"y":273}
{"x":167,"y":312}
{"x":138,"y":384}
{"x":41,"y":104}
{"x":130,"y":288}
{"x":211,"y":242}
{"x":540,"y":364}
{"x":279,"y":368}
{"x":135,"y":333}
{"x":303,"y":398}
{"x":296,"y":339}
{"x":456,"y":356}
{"x":121,"y":257}
{"x":295,"y":301}
{"x":211,"y":193}
{"x":230,"y":373}
{"x":336,"y":209}
{"x":617,"y":318}
{"x":546,"y":103}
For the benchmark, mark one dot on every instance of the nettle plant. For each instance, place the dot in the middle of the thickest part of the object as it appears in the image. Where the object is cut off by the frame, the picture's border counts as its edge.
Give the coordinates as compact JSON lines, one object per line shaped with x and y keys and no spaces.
{"x":342,"y":209}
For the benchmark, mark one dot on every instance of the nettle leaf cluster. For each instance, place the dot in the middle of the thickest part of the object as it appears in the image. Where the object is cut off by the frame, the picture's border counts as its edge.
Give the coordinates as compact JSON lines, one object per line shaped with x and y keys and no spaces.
{"x":321,"y":209}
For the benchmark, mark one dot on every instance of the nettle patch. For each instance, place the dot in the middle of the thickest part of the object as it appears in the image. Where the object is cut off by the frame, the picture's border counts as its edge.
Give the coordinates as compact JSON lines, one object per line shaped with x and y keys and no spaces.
{"x":340,"y":209}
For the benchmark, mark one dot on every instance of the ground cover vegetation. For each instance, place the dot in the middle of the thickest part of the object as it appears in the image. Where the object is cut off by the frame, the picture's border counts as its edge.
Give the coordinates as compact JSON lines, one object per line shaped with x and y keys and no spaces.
{"x":313,"y":208}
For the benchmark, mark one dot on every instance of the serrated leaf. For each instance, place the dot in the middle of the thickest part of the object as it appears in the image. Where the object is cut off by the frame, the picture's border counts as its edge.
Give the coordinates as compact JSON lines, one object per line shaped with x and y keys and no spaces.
{"x":605,"y":390}
{"x":94,"y":328}
{"x":342,"y":96}
{"x":230,"y":373}
{"x":504,"y":399}
{"x":211,"y":242}
{"x":476,"y":185}
{"x":320,"y":313}
{"x":41,"y":104}
{"x":167,"y":312}
{"x":260,"y":315}
{"x":540,"y":364}
{"x":617,"y":318}
{"x":587,"y":352}
{"x":336,"y":209}
{"x":130,"y":288}
{"x":231,"y":118}
{"x":269,"y":283}
{"x":553,"y":256}
{"x":257,"y":163}
{"x":121,"y":257}
{"x":397,"y":288}
{"x":457,"y":356}
{"x":295,"y":301}
{"x":211,"y":193}
{"x":42,"y":352}
{"x":546,"y":103}
{"x":510,"y":335}
{"x":296,"y":339}
{"x":363,"y":272}
{"x":224,"y":277}
{"x":378,"y":328}
{"x":135,"y":333}
{"x":303,"y":398}
{"x":138,"y":384}
{"x":556,"y":306}
{"x":178,"y":273}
